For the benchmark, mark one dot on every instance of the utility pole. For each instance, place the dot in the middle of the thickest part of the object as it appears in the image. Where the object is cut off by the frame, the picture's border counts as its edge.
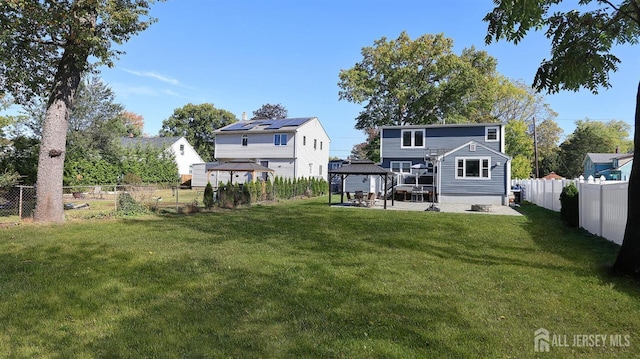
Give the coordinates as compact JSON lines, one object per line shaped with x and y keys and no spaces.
{"x":535,"y":146}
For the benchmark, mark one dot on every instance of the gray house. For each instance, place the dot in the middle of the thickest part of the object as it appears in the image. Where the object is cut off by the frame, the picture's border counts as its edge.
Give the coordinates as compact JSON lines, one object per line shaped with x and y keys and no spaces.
{"x":457,"y":163}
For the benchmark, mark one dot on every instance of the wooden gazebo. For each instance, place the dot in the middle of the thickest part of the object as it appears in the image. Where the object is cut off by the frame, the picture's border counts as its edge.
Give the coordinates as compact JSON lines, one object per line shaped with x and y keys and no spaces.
{"x":361,"y":167}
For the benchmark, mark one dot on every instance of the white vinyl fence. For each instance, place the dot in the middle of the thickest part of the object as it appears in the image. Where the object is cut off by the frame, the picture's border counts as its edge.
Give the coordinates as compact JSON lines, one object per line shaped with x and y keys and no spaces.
{"x":602,"y":204}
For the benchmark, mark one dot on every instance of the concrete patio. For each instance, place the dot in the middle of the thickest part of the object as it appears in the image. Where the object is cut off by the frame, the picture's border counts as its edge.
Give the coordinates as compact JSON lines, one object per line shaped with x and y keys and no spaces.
{"x":444,"y":207}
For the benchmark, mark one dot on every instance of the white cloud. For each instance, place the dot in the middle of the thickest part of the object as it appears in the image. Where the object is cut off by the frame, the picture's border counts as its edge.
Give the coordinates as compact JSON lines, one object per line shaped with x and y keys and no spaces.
{"x":154,"y":75}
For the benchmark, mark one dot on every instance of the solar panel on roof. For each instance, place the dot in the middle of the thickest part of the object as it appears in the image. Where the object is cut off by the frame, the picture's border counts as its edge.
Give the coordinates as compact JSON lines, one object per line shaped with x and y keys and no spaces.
{"x":235,"y":126}
{"x":277,"y":124}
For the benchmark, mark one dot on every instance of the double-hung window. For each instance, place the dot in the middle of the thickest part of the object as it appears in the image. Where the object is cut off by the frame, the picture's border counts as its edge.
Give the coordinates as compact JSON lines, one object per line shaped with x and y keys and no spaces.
{"x":280,"y":139}
{"x":473,"y":167}
{"x":491,"y":134}
{"x":401,"y":166}
{"x":412,"y":138}
{"x":245,"y":140}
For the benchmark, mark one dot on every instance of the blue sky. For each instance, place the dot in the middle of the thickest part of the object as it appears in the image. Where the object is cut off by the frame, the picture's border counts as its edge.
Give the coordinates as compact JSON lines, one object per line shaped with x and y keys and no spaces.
{"x":242,"y":54}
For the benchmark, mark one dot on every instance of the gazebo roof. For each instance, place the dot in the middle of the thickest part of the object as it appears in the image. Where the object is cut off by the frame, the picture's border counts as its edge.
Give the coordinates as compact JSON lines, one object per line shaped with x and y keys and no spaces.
{"x":240,"y":166}
{"x":361,"y":167}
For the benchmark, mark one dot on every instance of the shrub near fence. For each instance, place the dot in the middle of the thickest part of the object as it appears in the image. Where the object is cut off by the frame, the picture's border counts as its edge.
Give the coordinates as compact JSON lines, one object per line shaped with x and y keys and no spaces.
{"x":19,"y":202}
{"x":231,"y":195}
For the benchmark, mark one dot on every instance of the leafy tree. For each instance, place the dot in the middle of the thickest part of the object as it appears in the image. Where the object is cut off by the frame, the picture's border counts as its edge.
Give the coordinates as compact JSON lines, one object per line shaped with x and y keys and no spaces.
{"x":149,"y":164}
{"x":46,"y":47}
{"x":22,"y":157}
{"x":271,"y":112}
{"x":594,"y":137}
{"x":520,"y":167}
{"x":133,"y":123}
{"x":197,"y":123}
{"x":95,"y":121}
{"x":519,"y":145}
{"x":581,"y":57}
{"x":548,"y":136}
{"x":518,"y":101}
{"x":9,"y":179}
{"x":5,"y":123}
{"x":420,"y":81}
{"x":370,"y":149}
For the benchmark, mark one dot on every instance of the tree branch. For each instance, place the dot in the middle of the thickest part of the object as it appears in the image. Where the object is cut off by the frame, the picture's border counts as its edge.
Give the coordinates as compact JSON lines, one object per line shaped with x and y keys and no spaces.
{"x":635,"y":6}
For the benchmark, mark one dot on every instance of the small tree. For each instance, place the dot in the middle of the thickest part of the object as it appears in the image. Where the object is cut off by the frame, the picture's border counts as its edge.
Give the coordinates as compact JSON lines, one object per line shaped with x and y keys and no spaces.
{"x":208,"y":196}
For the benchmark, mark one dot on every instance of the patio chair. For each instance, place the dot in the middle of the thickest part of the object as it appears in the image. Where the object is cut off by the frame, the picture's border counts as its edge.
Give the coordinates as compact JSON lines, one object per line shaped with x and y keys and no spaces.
{"x":371,"y":199}
{"x":351,"y":200}
{"x":360,"y":198}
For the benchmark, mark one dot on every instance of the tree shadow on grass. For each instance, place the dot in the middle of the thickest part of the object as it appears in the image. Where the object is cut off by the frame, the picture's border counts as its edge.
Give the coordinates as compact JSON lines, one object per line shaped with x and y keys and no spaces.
{"x":89,"y":299}
{"x":309,"y":312}
{"x":594,"y":254}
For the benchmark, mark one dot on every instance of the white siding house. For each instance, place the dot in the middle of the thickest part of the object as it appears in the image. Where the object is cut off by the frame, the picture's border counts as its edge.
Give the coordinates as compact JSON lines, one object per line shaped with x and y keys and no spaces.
{"x":292,"y":147}
{"x":184,"y":153}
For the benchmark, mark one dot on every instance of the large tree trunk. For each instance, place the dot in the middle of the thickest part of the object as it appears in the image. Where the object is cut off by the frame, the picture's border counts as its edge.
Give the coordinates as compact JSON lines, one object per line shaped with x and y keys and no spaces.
{"x":628,"y":261}
{"x":49,"y":206}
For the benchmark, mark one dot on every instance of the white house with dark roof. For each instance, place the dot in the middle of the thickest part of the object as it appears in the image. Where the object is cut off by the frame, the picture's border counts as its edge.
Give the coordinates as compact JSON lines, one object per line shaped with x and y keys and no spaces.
{"x":184,"y":153}
{"x":292,"y":147}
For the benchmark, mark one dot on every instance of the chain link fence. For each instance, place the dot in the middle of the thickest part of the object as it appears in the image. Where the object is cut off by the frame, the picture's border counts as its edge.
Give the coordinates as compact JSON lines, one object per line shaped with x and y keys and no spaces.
{"x":18,"y":203}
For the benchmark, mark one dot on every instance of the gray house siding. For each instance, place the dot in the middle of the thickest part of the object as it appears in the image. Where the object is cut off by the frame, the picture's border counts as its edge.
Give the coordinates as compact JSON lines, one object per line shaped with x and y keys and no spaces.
{"x":386,"y":163}
{"x":496,"y":185}
{"x":442,"y":138}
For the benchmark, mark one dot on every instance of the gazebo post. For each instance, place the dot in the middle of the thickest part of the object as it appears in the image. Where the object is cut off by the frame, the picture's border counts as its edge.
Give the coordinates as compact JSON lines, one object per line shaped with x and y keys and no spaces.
{"x":385,"y":191}
{"x":330,"y":180}
{"x":341,"y":189}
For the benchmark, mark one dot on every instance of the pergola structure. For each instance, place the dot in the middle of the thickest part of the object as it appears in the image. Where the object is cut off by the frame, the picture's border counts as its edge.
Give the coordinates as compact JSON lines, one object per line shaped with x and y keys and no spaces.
{"x":241,"y":166}
{"x":361,"y":167}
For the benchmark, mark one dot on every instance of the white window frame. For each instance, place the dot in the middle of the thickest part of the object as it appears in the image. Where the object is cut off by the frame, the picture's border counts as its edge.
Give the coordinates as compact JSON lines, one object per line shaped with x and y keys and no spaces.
{"x":486,"y":134}
{"x":464,"y":168}
{"x":400,"y":164}
{"x":413,"y":138}
{"x":280,"y":139}
{"x":182,"y":149}
{"x":245,"y":140}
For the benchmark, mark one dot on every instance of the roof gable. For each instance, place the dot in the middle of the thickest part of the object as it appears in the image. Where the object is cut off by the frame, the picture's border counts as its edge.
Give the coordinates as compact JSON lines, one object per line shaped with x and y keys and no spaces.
{"x":477,"y":145}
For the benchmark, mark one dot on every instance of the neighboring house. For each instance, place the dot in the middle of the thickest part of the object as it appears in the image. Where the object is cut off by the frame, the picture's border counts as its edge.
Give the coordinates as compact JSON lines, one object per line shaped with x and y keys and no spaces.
{"x":552,"y":176}
{"x":465,"y":163}
{"x":613,"y":166}
{"x":184,"y":153}
{"x":292,"y":147}
{"x":201,"y":174}
{"x":335,"y":181}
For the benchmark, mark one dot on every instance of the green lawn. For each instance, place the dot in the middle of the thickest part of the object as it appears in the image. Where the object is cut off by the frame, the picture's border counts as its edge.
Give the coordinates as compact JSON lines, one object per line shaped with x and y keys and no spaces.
{"x":300,"y":279}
